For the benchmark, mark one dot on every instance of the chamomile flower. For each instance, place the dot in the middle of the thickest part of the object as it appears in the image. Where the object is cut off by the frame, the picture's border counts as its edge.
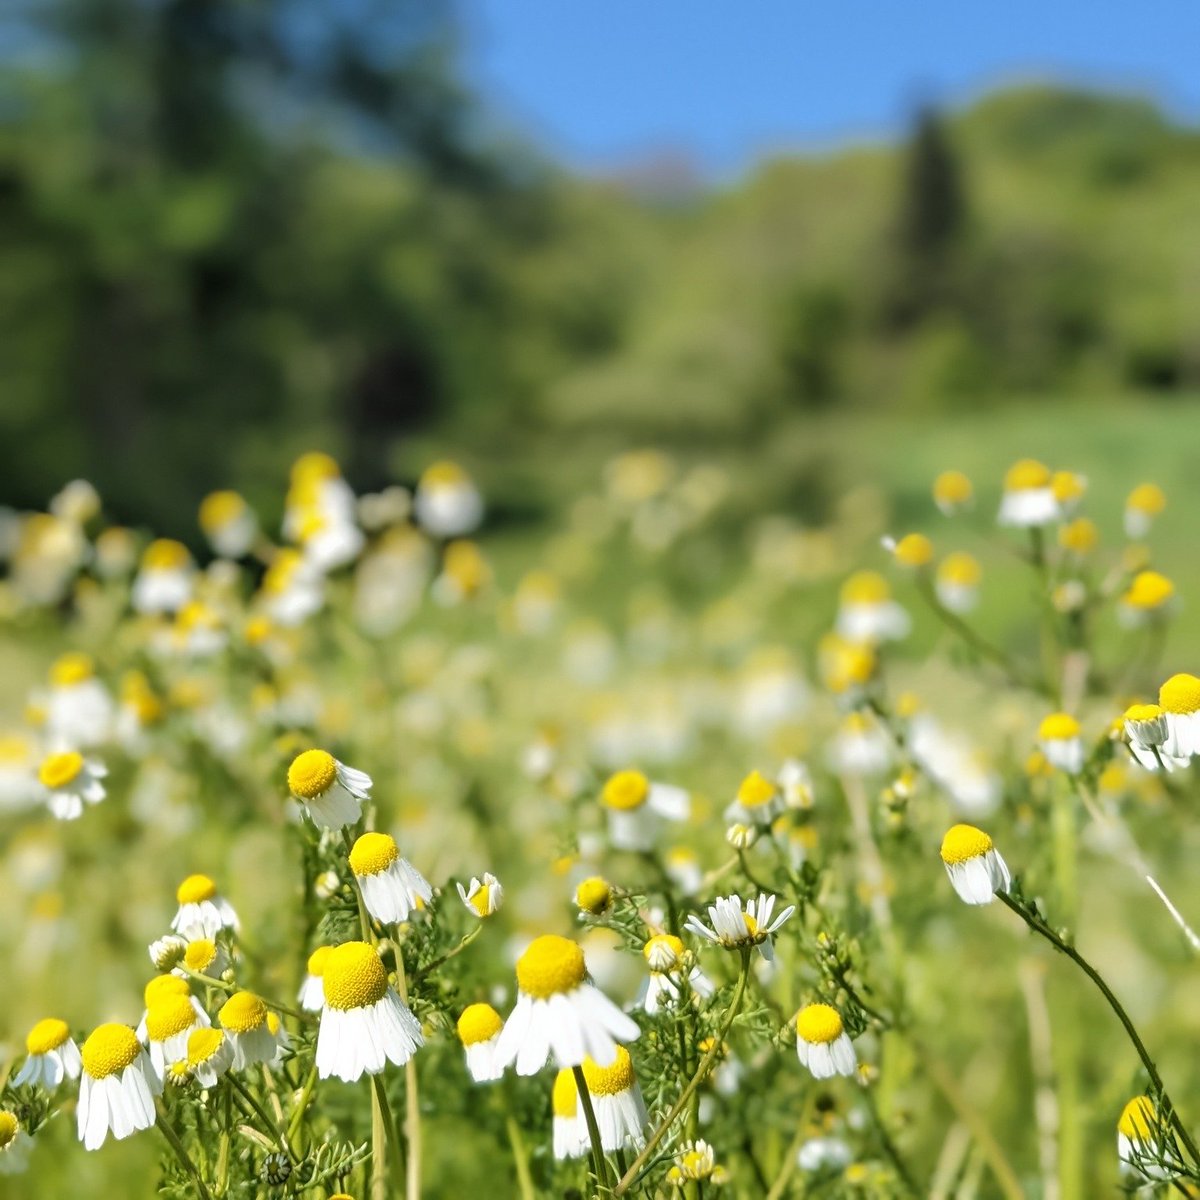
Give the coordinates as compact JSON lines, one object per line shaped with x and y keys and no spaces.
{"x":15,"y":1145}
{"x":209,"y":1055}
{"x":952,"y":492}
{"x":795,"y":782}
{"x":734,"y":927}
{"x":559,"y":1012}
{"x":164,"y":580}
{"x":913,"y":551}
{"x":391,"y":886}
{"x":169,"y":1022}
{"x":283,"y":1039}
{"x":822,"y":1044}
{"x":79,"y":708}
{"x":204,"y":956}
{"x":824,"y":1154}
{"x":482,"y":897}
{"x":1143,"y":504}
{"x":594,"y":896}
{"x":1150,"y":597}
{"x":203,"y":912}
{"x":244,"y":1018}
{"x":292,"y":589}
{"x":1143,"y":1145}
{"x":116,"y":1087}
{"x":696,"y":1161}
{"x":957,"y":582}
{"x":570,"y":1133}
{"x":229,"y":523}
{"x":479,"y":1029}
{"x":52,"y":1055}
{"x":446,"y":503}
{"x":669,"y":964}
{"x":974,"y":865}
{"x":164,"y":987}
{"x":861,"y":745}
{"x":1028,"y":500}
{"x":364,"y":1023}
{"x":617,"y":1102}
{"x":1146,"y":728}
{"x":1060,"y":741}
{"x":758,"y":801}
{"x":867,"y":613}
{"x":331,"y":792}
{"x":1179,"y":698}
{"x":636,"y":808}
{"x":69,"y":781}
{"x":683,"y":869}
{"x":312,"y":990}
{"x":1068,"y":488}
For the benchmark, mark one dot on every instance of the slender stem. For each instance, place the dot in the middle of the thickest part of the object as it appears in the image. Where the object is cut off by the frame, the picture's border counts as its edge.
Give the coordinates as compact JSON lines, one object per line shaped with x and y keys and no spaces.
{"x":789,"y":1163}
{"x":379,"y":1101}
{"x":412,"y":1097}
{"x":305,"y":1096}
{"x":437,"y":962}
{"x":223,"y":1144}
{"x":379,"y":1140}
{"x":262,"y":1114}
{"x":1040,"y":927}
{"x":168,"y":1131}
{"x":209,"y":981}
{"x":706,"y":1065}
{"x":520,"y":1158}
{"x":599,"y":1168}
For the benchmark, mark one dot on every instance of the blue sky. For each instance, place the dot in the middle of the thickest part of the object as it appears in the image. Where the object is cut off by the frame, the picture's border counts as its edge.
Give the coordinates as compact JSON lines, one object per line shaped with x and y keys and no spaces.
{"x":602,"y":84}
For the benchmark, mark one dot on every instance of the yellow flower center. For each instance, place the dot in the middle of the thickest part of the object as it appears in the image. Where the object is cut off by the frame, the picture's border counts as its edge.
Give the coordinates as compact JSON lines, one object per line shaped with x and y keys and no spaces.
{"x":625,"y":790}
{"x":611,"y":1080}
{"x":1180,"y":694}
{"x":243,"y":1012}
{"x":964,"y":842}
{"x":165,"y":555}
{"x":952,"y":487}
{"x":311,"y":774}
{"x":478,"y":1023}
{"x":550,"y":965}
{"x":1058,"y":727}
{"x":914,"y":550}
{"x":109,"y":1050}
{"x":866,"y":587}
{"x":194,"y":889}
{"x":1067,"y":486}
{"x":663,"y":941}
{"x":58,"y":770}
{"x":317,"y":959}
{"x":373,"y":853}
{"x":278,"y":576}
{"x":1026,"y":474}
{"x":219,"y":509}
{"x":443,"y":473}
{"x":818,"y":1023}
{"x":354,"y":977}
{"x":482,"y":898}
{"x":169,"y":1017}
{"x":1079,"y":536}
{"x":1149,"y":590}
{"x":565,"y":1101}
{"x":1143,"y":712}
{"x":71,"y":669}
{"x":751,"y":924}
{"x":1137,"y":1119}
{"x":314,"y":465}
{"x":594,"y":895}
{"x":200,"y":955}
{"x":9,"y":1126}
{"x":1148,"y":498}
{"x":202,"y":1044}
{"x":756,"y":790}
{"x":465,"y":564}
{"x":960,"y":568}
{"x":273,"y":1023}
{"x":162,"y":986}
{"x":47,"y":1035}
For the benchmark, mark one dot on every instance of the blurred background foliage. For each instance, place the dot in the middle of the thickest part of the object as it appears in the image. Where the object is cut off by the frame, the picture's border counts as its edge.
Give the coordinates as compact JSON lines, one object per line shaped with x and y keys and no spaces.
{"x":230,"y":231}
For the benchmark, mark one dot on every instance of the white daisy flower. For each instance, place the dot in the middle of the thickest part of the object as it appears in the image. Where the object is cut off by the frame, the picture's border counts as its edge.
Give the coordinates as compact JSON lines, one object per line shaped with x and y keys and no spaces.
{"x":169,"y":1022}
{"x":734,"y":927}
{"x":479,"y":1030}
{"x":974,"y":865}
{"x":330,"y":543}
{"x":758,"y":801}
{"x":312,"y":990}
{"x":203,"y":912}
{"x":795,"y":782}
{"x":822,"y":1044}
{"x":861,"y":746}
{"x":331,"y":792}
{"x":1028,"y":500}
{"x":116,"y":1088}
{"x":244,"y":1019}
{"x":364,"y":1022}
{"x":229,"y":523}
{"x":15,"y":1145}
{"x":165,"y":987}
{"x":391,"y":886}
{"x":594,"y":896}
{"x":952,"y":492}
{"x":559,"y":1012}
{"x":824,"y":1154}
{"x":79,"y":709}
{"x":69,"y":781}
{"x":203,"y":956}
{"x":292,"y":589}
{"x":683,"y":869}
{"x":1142,"y":1143}
{"x":482,"y":897}
{"x":1060,"y":741}
{"x":53,"y":1055}
{"x":617,"y":1102}
{"x":637,"y":807}
{"x":446,"y":503}
{"x":164,"y":580}
{"x":1143,"y":504}
{"x":1149,"y":599}
{"x":1179,"y":699}
{"x":696,"y":1161}
{"x":570,"y":1129}
{"x":957,"y":582}
{"x":867,"y":613}
{"x":167,"y":951}
{"x":209,"y":1055}
{"x":669,"y":962}
{"x":1146,"y":728}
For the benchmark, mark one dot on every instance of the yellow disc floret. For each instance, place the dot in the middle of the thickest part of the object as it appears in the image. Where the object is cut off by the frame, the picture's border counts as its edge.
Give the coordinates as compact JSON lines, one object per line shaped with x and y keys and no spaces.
{"x":1180,"y":694}
{"x":243,"y":1012}
{"x":1058,"y":727}
{"x":195,"y":889}
{"x":866,"y":587}
{"x":550,"y":965}
{"x":219,"y":509}
{"x":312,"y":774}
{"x":373,"y":853}
{"x":963,"y":843}
{"x":317,"y":960}
{"x":914,"y":550}
{"x":960,"y":568}
{"x":1143,"y":712}
{"x":594,"y":895}
{"x":440,"y":474}
{"x":756,"y":790}
{"x":611,"y":1080}
{"x":354,"y":977}
{"x":109,"y":1049}
{"x":1079,"y":536}
{"x":59,"y":770}
{"x":478,"y":1023}
{"x":1067,"y":486}
{"x":1026,"y":474}
{"x":9,"y":1128}
{"x":819,"y":1023}
{"x":1149,"y":590}
{"x":200,"y":955}
{"x":168,"y":1017}
{"x":71,"y":669}
{"x":952,"y":488}
{"x":565,"y":1101}
{"x":625,"y":790}
{"x":165,"y":554}
{"x":202,"y":1044}
{"x":1137,"y":1120}
{"x":1148,"y":498}
{"x":47,"y":1035}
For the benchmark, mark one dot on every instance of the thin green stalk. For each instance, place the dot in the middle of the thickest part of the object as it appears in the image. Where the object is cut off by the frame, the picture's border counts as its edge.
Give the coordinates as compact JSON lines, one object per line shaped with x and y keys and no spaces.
{"x":599,"y":1167}
{"x":437,"y":962}
{"x":789,"y":1163}
{"x":380,"y":1105}
{"x":305,"y":1096}
{"x":271,"y":1127}
{"x":168,"y":1131}
{"x":520,"y":1158}
{"x":706,"y":1065}
{"x":223,"y":1144}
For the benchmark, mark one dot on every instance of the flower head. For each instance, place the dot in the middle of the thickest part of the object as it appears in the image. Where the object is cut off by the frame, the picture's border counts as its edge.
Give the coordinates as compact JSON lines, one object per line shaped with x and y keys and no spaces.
{"x":117,"y":1086}
{"x":331,"y":792}
{"x":1029,"y":499}
{"x":736,"y":928}
{"x":636,"y":808}
{"x":822,"y":1043}
{"x":391,"y":886}
{"x":1060,"y":740}
{"x":52,"y":1055}
{"x":479,"y":1029}
{"x":203,"y":911}
{"x":594,"y":896}
{"x":952,"y":492}
{"x":482,"y":896}
{"x":974,"y":865}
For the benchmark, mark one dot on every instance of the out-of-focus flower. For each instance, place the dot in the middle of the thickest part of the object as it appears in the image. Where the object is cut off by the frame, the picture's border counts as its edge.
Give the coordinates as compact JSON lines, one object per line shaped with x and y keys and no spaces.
{"x":165,"y":579}
{"x":758,"y":801}
{"x":1143,"y":504}
{"x":636,"y":808}
{"x":952,"y":492}
{"x":229,"y":523}
{"x":957,"y":582}
{"x":867,"y":613}
{"x":70,"y":781}
{"x":447,"y":504}
{"x":1060,"y":740}
{"x":1028,"y":500}
{"x":1150,"y":597}
{"x":79,"y":709}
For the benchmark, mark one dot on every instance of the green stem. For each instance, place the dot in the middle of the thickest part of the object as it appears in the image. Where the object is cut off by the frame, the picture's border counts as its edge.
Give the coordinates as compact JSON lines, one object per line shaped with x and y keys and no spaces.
{"x":789,"y":1163}
{"x":437,"y":962}
{"x":305,"y":1096}
{"x":168,"y":1131}
{"x":262,"y":1115}
{"x":380,"y":1104}
{"x":520,"y":1158}
{"x":1040,"y":927}
{"x":706,"y":1065}
{"x":223,"y":1145}
{"x":599,"y":1167}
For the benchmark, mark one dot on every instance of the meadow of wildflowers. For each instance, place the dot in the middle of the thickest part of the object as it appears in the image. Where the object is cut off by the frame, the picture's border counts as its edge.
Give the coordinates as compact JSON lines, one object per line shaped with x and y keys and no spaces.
{"x":352,"y":859}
